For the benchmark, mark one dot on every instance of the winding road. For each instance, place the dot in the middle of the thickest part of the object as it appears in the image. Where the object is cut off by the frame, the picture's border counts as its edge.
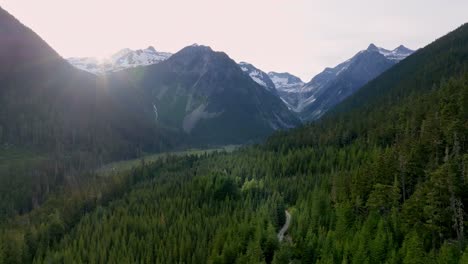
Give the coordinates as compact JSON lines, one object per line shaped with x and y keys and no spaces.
{"x":285,"y":226}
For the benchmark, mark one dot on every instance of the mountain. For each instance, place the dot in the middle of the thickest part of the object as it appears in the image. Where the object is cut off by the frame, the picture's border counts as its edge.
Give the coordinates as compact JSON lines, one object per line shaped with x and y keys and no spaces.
{"x":398,"y":54}
{"x":333,"y":85}
{"x":206,"y":95}
{"x":258,"y":76}
{"x":57,"y":122}
{"x":381,"y":178}
{"x":45,"y":101}
{"x":288,"y":87}
{"x":123,"y":59}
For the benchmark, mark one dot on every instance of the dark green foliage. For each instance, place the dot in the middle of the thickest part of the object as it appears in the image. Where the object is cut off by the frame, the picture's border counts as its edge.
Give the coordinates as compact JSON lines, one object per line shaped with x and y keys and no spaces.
{"x":224,"y":187}
{"x":67,"y":122}
{"x":347,"y":205}
{"x":382,"y":182}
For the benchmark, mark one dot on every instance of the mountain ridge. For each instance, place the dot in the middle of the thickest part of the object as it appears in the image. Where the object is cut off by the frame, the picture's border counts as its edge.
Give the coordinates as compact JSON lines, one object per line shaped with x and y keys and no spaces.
{"x":333,"y":85}
{"x":198,"y":89}
{"x":121,"y":60}
{"x":258,"y":76}
{"x":379,"y":180}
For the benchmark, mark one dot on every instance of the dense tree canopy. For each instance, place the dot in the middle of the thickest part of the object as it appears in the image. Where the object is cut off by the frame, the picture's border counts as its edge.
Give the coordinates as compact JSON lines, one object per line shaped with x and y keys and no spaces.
{"x":383,"y":182}
{"x":373,"y":201}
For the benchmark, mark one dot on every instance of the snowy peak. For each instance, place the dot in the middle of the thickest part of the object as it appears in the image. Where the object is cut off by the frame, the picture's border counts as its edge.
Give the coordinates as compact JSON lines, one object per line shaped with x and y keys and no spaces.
{"x":285,"y":81}
{"x":397,"y":54}
{"x":119,"y":54}
{"x":288,"y":87}
{"x":258,"y":76}
{"x":141,"y":57}
{"x":400,"y":53}
{"x":121,"y":60}
{"x":88,"y":64}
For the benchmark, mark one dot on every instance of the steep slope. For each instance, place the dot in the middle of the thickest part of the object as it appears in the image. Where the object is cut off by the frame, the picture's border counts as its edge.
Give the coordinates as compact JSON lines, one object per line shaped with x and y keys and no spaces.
{"x":206,"y":95}
{"x":418,"y":75}
{"x":46,"y":102}
{"x":288,"y":87}
{"x":66,"y":121}
{"x":258,"y":76}
{"x":121,"y":60}
{"x":333,"y":85}
{"x":381,"y":179}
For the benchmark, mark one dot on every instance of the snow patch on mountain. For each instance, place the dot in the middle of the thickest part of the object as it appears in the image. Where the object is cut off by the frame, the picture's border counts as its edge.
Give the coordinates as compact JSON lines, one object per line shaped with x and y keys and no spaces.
{"x":258,"y":76}
{"x":285,"y":81}
{"x":254,"y":73}
{"x":288,"y":87}
{"x":397,"y":54}
{"x":279,"y":81}
{"x":123,"y":59}
{"x":88,"y":64}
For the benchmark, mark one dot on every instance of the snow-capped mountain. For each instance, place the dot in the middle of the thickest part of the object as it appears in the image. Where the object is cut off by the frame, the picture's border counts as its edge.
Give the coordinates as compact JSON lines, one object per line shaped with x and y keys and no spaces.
{"x":258,"y":76}
{"x":288,"y":86}
{"x":128,"y":58}
{"x":123,"y":59}
{"x":397,"y":54}
{"x":204,"y":94}
{"x":333,"y":85}
{"x":88,"y":64}
{"x":310,"y":100}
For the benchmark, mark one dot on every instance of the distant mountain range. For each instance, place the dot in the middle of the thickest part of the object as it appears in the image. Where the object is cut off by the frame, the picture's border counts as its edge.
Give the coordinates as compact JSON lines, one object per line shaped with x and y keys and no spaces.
{"x":308,"y":100}
{"x":311,"y":100}
{"x":197,"y":95}
{"x":380,"y":178}
{"x":124,"y":59}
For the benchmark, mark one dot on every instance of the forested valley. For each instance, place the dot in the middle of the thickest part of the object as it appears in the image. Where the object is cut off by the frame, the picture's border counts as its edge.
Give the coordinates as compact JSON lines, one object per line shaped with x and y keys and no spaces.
{"x":374,"y":181}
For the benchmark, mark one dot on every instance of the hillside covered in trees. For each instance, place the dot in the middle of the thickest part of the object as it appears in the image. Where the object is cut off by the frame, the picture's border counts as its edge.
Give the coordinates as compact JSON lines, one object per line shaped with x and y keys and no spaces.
{"x":381,"y":179}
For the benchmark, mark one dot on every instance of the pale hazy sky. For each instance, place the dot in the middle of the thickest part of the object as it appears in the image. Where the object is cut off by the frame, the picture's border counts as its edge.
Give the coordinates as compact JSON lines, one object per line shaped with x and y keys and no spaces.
{"x":298,"y":36}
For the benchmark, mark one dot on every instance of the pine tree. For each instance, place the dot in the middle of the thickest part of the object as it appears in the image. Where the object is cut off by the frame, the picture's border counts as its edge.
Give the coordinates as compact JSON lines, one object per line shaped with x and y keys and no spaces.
{"x":379,"y":245}
{"x":448,"y":254}
{"x":413,"y":250}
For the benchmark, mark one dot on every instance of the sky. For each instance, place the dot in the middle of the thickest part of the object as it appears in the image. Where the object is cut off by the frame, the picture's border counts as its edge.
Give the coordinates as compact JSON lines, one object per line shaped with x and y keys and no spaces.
{"x":298,"y":36}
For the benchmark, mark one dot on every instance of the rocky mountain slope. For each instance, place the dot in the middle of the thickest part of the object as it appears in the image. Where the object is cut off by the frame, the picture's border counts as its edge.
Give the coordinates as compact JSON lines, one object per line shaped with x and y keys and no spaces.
{"x":258,"y":76}
{"x":206,"y":95}
{"x":333,"y":85}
